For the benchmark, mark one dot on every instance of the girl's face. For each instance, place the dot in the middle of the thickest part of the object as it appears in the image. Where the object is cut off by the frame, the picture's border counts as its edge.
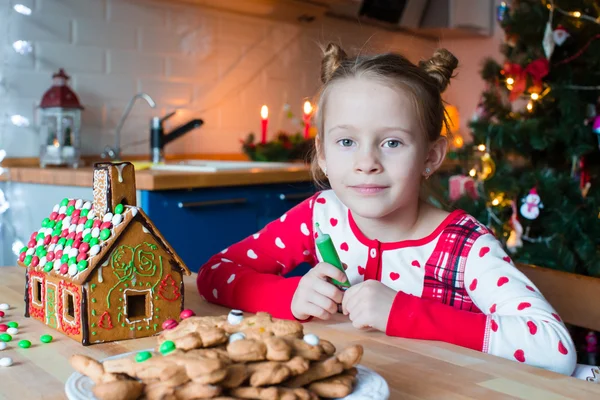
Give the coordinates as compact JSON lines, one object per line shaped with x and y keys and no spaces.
{"x":373,"y":149}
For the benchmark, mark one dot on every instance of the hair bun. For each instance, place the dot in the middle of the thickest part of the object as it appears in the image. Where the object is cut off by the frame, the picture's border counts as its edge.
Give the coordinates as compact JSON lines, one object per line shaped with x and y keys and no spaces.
{"x":332,"y":59}
{"x":440,"y":67}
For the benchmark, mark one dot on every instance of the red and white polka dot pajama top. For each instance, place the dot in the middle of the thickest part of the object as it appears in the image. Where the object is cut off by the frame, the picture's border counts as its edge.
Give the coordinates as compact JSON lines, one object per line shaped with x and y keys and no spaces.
{"x":456,"y":285}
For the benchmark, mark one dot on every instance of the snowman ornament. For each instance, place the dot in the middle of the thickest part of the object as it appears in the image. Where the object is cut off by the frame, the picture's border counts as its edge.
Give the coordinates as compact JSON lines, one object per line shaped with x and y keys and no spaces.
{"x":532,"y":204}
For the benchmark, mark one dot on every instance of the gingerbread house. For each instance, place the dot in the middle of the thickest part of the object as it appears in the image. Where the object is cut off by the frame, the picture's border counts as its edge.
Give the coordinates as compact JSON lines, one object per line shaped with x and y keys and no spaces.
{"x":99,"y":270}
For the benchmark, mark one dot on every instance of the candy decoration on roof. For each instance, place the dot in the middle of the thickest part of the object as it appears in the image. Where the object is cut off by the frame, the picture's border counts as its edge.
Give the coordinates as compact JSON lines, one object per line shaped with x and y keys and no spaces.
{"x":94,"y":267}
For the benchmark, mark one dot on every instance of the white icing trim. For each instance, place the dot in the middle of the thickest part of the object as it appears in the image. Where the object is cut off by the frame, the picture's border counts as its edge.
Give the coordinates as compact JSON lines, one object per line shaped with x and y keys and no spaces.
{"x":66,"y":317}
{"x":43,"y":289}
{"x":148,"y":293}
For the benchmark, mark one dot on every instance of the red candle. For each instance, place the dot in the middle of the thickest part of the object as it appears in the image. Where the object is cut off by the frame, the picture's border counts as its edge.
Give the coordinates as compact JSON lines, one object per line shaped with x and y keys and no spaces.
{"x":264,"y":114}
{"x":306,"y":119}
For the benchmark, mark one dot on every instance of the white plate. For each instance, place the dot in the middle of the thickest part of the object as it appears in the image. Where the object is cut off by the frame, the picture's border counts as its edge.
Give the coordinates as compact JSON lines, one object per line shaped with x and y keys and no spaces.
{"x":369,"y":385}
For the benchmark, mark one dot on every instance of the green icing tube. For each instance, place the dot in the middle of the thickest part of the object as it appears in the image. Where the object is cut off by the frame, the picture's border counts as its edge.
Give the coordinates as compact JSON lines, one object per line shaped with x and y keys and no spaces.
{"x":330,"y":256}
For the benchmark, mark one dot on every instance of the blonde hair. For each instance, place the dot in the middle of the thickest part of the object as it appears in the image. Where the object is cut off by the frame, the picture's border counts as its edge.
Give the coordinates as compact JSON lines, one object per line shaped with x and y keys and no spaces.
{"x":424,"y":82}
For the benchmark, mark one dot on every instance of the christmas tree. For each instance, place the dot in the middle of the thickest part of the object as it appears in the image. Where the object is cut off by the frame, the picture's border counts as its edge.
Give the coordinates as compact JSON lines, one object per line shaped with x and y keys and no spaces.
{"x":531,"y":173}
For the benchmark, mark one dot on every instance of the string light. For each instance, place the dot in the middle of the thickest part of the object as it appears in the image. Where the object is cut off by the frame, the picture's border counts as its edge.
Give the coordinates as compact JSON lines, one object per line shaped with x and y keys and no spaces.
{"x":473,"y":172}
{"x":510,"y":81}
{"x":496,"y":201}
{"x":575,"y":14}
{"x":481,"y":147}
{"x":529,"y":106}
{"x":535,"y":96}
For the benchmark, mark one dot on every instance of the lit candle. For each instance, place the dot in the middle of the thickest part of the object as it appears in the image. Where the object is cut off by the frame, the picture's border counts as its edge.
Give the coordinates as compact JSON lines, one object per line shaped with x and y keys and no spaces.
{"x":307,"y":114}
{"x":264,"y":113}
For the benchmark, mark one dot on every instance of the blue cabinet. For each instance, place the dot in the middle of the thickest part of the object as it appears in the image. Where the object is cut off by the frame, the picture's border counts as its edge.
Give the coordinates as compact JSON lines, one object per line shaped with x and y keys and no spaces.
{"x":199,"y":223}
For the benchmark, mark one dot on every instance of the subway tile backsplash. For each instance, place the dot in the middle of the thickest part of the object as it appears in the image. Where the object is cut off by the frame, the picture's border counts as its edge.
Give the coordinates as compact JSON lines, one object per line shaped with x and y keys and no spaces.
{"x":213,"y":65}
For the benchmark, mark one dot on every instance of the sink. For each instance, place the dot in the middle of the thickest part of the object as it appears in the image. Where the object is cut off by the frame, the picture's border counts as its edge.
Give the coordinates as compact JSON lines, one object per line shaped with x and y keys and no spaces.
{"x":220,"y":165}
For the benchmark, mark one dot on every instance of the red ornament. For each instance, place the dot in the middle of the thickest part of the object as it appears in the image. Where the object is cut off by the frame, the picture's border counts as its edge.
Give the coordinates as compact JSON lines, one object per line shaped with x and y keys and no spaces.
{"x":186,"y":314}
{"x":168,"y":289}
{"x":105,"y":321}
{"x":169,"y":324}
{"x":60,"y":95}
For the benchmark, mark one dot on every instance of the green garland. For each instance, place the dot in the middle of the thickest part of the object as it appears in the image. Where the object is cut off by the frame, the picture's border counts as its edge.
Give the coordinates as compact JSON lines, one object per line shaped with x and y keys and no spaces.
{"x":285,"y":147}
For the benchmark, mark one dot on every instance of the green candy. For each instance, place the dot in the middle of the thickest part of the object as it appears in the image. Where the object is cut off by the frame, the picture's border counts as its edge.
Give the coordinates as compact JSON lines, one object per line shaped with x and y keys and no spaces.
{"x":58,"y":225}
{"x":94,"y":241}
{"x":27,"y":260}
{"x":119,"y":209}
{"x":38,"y":250}
{"x":70,"y":210}
{"x":42,"y":253}
{"x":167,"y":347}
{"x":24,"y":344}
{"x":5,"y":337}
{"x":50,"y":224}
{"x":72,"y":260}
{"x":70,"y":242}
{"x":56,"y":232}
{"x":105,"y":234}
{"x":62,"y":241}
{"x":23,"y":249}
{"x":64,"y":259}
{"x":39,"y":236}
{"x":82,"y":265}
{"x":45,"y":222}
{"x":143,"y":356}
{"x":87,"y":238}
{"x":13,"y":324}
{"x":48,"y":267}
{"x":88,"y":224}
{"x":64,"y":202}
{"x":46,"y":338}
{"x":84,"y":212}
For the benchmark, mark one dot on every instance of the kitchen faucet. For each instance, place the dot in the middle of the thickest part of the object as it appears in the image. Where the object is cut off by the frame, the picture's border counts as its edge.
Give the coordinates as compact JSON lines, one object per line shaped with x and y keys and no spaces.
{"x":158,"y":137}
{"x":115,"y":153}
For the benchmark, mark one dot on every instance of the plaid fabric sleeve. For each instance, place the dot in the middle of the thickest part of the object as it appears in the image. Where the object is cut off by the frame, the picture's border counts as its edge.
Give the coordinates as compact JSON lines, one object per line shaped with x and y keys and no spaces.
{"x":521,"y":325}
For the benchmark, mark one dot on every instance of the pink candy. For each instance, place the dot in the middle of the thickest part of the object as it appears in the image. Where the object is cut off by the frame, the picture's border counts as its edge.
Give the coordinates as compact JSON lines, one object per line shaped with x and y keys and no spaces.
{"x":169,"y":324}
{"x":186,"y":314}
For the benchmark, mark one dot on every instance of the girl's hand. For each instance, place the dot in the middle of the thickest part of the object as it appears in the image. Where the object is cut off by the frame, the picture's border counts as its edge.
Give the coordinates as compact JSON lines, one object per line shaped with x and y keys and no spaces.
{"x":315,"y":296}
{"x":368,"y":304}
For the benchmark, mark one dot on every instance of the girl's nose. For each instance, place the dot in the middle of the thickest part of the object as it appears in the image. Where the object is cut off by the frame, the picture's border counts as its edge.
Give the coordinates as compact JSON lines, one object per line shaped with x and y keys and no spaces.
{"x":367,"y":163}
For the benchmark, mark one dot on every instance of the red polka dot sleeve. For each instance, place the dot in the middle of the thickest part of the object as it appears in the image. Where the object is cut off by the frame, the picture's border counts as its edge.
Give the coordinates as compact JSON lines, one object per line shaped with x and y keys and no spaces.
{"x":521,"y":325}
{"x":248,"y":274}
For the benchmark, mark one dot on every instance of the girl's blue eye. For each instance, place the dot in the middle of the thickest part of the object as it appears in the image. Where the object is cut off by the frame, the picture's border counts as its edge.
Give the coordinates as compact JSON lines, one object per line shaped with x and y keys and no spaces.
{"x":392,"y":143}
{"x":346,"y":142}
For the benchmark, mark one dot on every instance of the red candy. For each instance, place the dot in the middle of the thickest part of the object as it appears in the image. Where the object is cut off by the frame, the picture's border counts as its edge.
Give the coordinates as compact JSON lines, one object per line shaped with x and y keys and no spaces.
{"x":84,"y":248}
{"x":71,"y":203}
{"x":71,"y":235}
{"x":1,"y":313}
{"x":35,"y":261}
{"x":64,"y":269}
{"x":58,"y":254}
{"x":33,"y":235}
{"x":22,"y":257}
{"x":169,"y":324}
{"x":55,"y":239}
{"x":47,"y":239}
{"x":74,"y":219}
{"x":97,"y":223}
{"x":31,"y":243}
{"x":82,"y":220}
{"x":106,"y":225}
{"x":61,"y":217}
{"x":3,"y":327}
{"x":76,"y":244}
{"x":81,"y":256}
{"x":64,"y":233}
{"x":76,"y":213}
{"x":186,"y":314}
{"x":53,"y":216}
{"x":50,"y":256}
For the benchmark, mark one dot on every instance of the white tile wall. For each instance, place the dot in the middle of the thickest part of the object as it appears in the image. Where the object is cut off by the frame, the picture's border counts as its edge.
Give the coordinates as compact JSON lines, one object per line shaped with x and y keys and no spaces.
{"x":212,"y":65}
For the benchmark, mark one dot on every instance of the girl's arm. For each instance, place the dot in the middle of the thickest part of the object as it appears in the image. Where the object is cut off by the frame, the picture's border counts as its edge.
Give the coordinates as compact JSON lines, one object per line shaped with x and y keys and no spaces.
{"x":248,"y":274}
{"x":517,"y":322}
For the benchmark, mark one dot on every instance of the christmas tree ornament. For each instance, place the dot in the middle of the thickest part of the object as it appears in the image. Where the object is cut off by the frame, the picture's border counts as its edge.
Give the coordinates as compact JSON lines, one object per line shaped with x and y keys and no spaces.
{"x":548,"y":42}
{"x":585,"y":182}
{"x":460,"y":185}
{"x":532,"y":204}
{"x":560,"y":35}
{"x":487,"y":167}
{"x":596,"y":128}
{"x":514,"y":241}
{"x":501,"y":11}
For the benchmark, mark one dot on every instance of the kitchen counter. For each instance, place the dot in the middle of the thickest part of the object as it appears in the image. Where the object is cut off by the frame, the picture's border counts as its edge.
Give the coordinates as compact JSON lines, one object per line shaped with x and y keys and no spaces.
{"x":160,"y":180}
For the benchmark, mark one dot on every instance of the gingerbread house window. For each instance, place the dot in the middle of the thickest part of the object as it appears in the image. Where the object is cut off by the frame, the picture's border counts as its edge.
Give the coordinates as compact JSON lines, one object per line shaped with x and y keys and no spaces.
{"x":69,"y":306}
{"x":38,"y":291}
{"x":138,"y":305}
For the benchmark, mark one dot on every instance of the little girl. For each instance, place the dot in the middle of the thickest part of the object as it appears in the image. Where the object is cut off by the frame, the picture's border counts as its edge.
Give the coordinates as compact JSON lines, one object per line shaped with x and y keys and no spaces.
{"x":415,"y":271}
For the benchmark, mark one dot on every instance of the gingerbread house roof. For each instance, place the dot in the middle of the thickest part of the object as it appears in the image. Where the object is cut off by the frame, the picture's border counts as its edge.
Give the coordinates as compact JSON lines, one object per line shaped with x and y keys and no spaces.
{"x":73,"y":240}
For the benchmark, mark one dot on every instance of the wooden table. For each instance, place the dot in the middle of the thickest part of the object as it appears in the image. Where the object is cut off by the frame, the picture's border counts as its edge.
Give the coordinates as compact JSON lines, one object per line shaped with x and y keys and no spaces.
{"x":414,"y":369}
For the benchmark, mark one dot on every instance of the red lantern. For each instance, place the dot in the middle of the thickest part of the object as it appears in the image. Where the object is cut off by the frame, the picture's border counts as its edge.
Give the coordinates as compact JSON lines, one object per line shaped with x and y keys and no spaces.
{"x":60,"y":124}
